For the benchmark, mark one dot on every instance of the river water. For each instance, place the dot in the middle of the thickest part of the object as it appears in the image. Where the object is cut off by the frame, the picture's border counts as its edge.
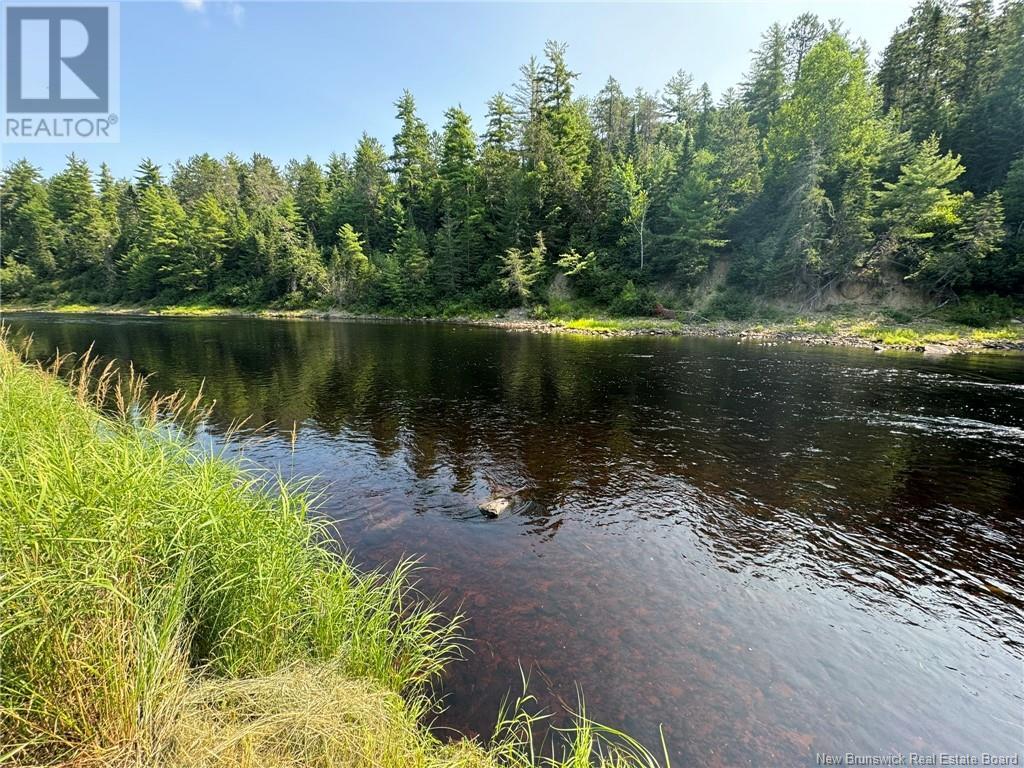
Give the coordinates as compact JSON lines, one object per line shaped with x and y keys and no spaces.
{"x":772,"y":551}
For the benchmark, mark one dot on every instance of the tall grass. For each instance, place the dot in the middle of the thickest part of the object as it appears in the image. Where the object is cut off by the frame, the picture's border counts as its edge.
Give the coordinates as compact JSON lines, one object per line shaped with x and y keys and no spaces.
{"x":161,"y":606}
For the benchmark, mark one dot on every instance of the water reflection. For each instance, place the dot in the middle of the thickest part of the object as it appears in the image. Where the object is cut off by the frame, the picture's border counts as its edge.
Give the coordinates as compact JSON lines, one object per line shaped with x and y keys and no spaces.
{"x":774,"y":551}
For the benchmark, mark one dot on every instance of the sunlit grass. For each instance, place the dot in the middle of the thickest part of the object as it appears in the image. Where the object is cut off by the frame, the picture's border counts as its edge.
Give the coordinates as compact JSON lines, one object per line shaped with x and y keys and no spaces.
{"x":1005,"y":333}
{"x":190,"y":310}
{"x":932,"y":334}
{"x":612,"y":325}
{"x":160,"y":605}
{"x":815,"y":325}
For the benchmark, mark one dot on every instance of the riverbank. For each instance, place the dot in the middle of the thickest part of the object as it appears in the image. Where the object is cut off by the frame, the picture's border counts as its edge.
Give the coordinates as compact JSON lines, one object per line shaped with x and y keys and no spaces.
{"x":163,"y":606}
{"x":866,"y":330}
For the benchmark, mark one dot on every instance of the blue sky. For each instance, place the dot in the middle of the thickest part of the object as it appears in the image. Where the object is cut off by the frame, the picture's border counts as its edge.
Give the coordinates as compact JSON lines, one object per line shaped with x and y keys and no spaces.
{"x":294,"y":78}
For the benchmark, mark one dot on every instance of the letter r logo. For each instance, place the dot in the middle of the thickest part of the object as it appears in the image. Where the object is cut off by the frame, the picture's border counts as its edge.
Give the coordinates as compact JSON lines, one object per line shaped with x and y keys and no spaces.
{"x":57,"y":59}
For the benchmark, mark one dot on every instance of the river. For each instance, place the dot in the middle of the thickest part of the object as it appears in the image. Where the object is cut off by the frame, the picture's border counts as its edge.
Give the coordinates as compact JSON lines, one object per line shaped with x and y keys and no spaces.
{"x":772,"y":551}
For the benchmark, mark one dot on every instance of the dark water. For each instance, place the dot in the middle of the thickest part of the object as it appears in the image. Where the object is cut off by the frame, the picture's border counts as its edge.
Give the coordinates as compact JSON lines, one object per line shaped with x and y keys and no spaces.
{"x":773,"y":551}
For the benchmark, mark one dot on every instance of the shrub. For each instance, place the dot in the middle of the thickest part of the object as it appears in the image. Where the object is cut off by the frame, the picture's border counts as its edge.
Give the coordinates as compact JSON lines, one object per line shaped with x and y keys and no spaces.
{"x":897,"y":315}
{"x":633,"y":301}
{"x":730,"y":303}
{"x":983,"y":311}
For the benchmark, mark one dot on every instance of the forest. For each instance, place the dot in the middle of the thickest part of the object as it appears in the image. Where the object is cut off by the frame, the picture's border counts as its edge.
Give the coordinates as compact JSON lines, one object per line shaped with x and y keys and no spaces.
{"x":826,"y":164}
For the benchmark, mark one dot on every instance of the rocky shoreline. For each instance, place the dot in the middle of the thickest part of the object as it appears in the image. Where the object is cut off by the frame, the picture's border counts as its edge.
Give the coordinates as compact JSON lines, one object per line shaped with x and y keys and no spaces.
{"x":744,"y":332}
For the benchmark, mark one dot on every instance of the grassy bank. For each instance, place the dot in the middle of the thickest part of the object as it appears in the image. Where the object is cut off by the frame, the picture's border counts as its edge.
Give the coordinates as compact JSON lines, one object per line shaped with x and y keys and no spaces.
{"x":843,"y":327}
{"x":163,"y":607}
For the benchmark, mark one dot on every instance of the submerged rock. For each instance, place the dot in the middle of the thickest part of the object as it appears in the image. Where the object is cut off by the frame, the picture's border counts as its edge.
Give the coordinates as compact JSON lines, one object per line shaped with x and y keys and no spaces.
{"x":496,"y":506}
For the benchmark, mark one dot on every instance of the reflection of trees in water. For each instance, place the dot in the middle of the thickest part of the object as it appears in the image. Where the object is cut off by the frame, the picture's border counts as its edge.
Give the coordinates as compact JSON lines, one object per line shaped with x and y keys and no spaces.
{"x":767,"y":454}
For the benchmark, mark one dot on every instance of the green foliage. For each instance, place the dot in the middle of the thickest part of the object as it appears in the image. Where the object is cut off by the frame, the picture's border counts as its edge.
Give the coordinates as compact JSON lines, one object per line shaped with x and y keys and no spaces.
{"x":349,"y":267}
{"x":130,"y":566}
{"x":984,"y":311}
{"x":573,"y":263}
{"x":692,"y":221}
{"x":632,"y":301}
{"x":163,"y":606}
{"x":921,"y":202}
{"x":29,"y":233}
{"x":812,"y":172}
{"x":937,"y":236}
{"x":766,"y":85}
{"x":520,"y":271}
{"x":730,"y":303}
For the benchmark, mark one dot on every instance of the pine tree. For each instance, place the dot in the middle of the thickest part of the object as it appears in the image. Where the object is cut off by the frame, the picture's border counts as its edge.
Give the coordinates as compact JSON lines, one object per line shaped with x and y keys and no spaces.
{"x":147,"y":174}
{"x":309,"y":188}
{"x":705,"y":117}
{"x":735,"y":151}
{"x":611,"y":114}
{"x":921,"y":202}
{"x":412,"y":260}
{"x":996,"y":120}
{"x":503,"y":184}
{"x":765,"y":87}
{"x":1013,"y":198}
{"x":152,"y":256}
{"x":920,"y":69}
{"x":937,"y":236}
{"x":349,"y":266}
{"x":459,"y":250}
{"x":833,"y":117}
{"x":803,"y":33}
{"x":692,"y":222}
{"x":84,"y":237}
{"x":371,"y":194}
{"x":521,"y":271}
{"x":413,"y":163}
{"x":1007,"y":273}
{"x":201,"y":175}
{"x":29,"y":233}
{"x":197,"y":262}
{"x":679,"y":102}
{"x":260,"y":186}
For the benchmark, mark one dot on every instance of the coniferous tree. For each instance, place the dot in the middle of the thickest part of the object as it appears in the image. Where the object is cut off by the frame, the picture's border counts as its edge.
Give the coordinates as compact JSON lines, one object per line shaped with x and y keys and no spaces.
{"x":309,"y":188}
{"x":459,"y":249}
{"x":996,"y":119}
{"x":349,"y":267}
{"x":84,"y":237}
{"x":521,"y":271}
{"x":29,"y":234}
{"x":935,"y":235}
{"x":679,"y":101}
{"x":413,"y":163}
{"x":765,"y":87}
{"x":920,"y":69}
{"x":803,"y":33}
{"x":830,"y":131}
{"x":372,"y":194}
{"x":611,"y":114}
{"x":812,"y":173}
{"x":151,"y":262}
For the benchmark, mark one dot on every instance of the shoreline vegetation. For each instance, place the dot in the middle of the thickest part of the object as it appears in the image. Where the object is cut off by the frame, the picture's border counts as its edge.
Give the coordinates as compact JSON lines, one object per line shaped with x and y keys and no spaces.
{"x":831,"y":174}
{"x":162,"y":605}
{"x":873,"y":330}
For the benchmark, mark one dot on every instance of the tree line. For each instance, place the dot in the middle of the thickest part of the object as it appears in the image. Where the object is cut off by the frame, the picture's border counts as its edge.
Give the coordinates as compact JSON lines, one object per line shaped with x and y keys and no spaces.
{"x":815,"y":169}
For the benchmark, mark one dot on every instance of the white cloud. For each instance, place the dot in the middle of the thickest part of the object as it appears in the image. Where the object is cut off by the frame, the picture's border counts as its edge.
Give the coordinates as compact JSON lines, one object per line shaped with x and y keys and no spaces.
{"x":233,"y":9}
